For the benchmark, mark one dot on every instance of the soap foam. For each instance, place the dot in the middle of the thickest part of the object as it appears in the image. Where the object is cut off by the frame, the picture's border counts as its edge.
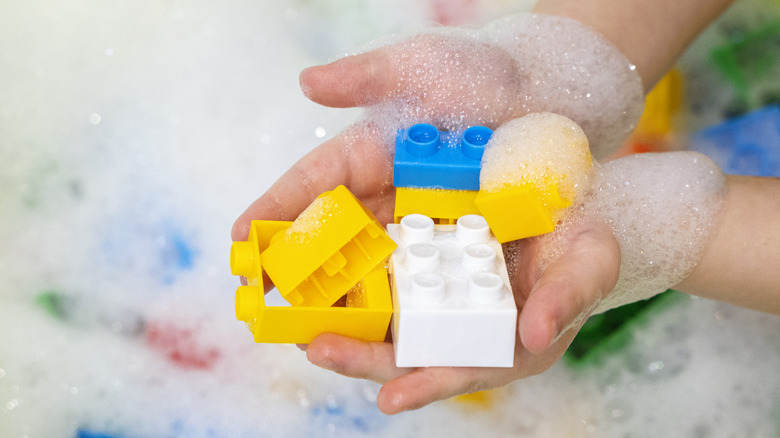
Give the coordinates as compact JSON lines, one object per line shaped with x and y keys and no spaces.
{"x":308,"y":224}
{"x":661,"y":207}
{"x":571,"y":70}
{"x":454,"y":78}
{"x":541,"y":149}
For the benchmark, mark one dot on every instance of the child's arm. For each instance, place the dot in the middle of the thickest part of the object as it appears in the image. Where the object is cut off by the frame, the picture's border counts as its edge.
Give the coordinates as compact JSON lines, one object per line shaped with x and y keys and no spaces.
{"x":741,"y":265}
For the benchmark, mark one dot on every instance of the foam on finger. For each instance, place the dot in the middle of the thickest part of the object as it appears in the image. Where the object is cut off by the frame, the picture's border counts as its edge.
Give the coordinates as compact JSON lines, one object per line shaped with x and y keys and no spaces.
{"x":454,"y":78}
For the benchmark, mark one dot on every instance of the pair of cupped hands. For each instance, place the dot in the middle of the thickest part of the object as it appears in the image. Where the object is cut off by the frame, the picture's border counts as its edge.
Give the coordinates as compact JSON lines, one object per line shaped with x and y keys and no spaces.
{"x":553,"y":300}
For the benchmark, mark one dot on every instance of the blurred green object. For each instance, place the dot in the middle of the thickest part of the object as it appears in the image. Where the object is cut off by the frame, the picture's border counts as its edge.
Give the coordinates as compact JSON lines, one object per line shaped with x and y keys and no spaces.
{"x":54,"y":303}
{"x":608,"y":333}
{"x":750,"y":61}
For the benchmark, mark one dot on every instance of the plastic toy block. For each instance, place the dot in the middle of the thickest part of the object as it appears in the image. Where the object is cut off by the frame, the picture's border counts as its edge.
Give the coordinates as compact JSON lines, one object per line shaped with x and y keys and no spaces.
{"x":519,"y":212}
{"x":442,"y":205}
{"x":83,"y":433}
{"x":609,"y":333}
{"x":326,"y":251}
{"x":181,"y":346}
{"x":750,"y":61}
{"x":661,"y":105}
{"x":453,"y":305}
{"x":428,"y":158}
{"x":366,"y":315}
{"x":747,"y":145}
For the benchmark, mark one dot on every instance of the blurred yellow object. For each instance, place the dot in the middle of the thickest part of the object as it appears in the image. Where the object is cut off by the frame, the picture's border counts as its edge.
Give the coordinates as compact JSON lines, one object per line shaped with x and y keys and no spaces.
{"x":480,"y":399}
{"x":661,"y":105}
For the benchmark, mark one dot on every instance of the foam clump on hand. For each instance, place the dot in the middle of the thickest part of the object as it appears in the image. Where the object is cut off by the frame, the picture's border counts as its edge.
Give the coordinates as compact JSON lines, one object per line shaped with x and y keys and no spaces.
{"x":662,"y":209}
{"x":569,"y":69}
{"x":454,"y":78}
{"x":544,"y":150}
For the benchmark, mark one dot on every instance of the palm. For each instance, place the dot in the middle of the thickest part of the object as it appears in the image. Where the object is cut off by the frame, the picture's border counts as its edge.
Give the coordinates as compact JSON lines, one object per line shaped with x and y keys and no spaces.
{"x":550,"y":298}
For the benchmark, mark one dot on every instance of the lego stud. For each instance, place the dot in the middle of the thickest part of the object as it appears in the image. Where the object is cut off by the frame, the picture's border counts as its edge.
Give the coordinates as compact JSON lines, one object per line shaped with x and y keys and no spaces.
{"x":485,"y":287}
{"x":422,"y":257}
{"x":242,"y":259}
{"x":416,"y":228}
{"x":474,"y":141}
{"x":422,"y":140}
{"x":479,"y":257}
{"x":247,"y":303}
{"x":472,"y":228}
{"x":428,"y":288}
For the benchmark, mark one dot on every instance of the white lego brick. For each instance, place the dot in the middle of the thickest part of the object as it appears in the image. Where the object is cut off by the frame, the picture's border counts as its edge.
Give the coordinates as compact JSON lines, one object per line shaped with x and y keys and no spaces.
{"x":452,"y":303}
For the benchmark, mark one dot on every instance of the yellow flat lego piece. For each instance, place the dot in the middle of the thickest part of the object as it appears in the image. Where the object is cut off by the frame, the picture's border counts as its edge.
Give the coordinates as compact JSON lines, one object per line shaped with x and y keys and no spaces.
{"x":367,"y":315}
{"x":326,"y":251}
{"x":518,"y":212}
{"x":444,"y":206}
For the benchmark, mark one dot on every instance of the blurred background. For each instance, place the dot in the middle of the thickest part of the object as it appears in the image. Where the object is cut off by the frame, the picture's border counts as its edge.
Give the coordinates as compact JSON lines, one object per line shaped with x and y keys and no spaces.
{"x":132,"y":134}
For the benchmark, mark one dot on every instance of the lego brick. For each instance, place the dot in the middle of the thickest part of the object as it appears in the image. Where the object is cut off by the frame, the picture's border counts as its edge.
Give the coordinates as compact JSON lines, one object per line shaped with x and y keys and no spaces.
{"x":428,"y":158}
{"x":750,"y":61}
{"x":326,"y":251}
{"x":519,"y":212}
{"x":610,"y":333}
{"x":86,"y":433}
{"x":366,"y":315}
{"x":442,"y":205}
{"x":453,"y":305}
{"x":181,"y":345}
{"x":746,"y":145}
{"x":662,"y":103}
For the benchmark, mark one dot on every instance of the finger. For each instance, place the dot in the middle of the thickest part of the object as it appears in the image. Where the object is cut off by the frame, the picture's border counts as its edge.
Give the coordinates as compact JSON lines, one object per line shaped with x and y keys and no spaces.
{"x":570,"y":288}
{"x":318,"y":171}
{"x":354,"y":358}
{"x":424,"y":386}
{"x":358,"y":80}
{"x":354,"y":158}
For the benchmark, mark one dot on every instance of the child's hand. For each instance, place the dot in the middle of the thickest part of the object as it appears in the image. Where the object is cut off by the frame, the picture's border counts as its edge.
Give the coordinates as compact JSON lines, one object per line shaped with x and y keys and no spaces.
{"x":361,"y":157}
{"x":423,"y":80}
{"x":448,"y":80}
{"x":560,"y":298}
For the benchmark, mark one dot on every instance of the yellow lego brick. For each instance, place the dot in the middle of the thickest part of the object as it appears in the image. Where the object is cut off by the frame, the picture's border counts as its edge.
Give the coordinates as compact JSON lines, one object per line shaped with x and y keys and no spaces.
{"x":367,"y":315}
{"x":661,"y":105}
{"x":326,"y":251}
{"x":444,"y":206}
{"x":518,"y":212}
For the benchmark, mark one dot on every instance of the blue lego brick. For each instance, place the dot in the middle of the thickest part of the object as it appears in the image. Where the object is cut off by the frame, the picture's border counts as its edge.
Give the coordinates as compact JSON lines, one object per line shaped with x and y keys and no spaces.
{"x":82,"y":433}
{"x":746,"y":145}
{"x":426,"y":157}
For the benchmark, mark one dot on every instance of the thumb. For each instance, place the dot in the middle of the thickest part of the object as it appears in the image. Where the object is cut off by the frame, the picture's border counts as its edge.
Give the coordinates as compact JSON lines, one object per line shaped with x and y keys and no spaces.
{"x":358,"y":80}
{"x":570,"y":289}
